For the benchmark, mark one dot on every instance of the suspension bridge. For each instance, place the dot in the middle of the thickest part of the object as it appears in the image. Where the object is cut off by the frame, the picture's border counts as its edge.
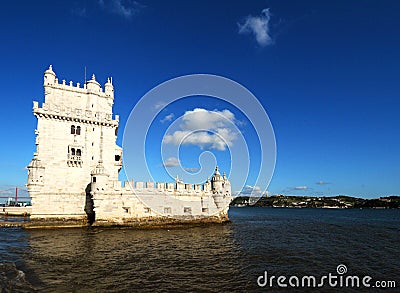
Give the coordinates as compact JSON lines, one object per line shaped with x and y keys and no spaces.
{"x":14,"y":196}
{"x":15,"y":201}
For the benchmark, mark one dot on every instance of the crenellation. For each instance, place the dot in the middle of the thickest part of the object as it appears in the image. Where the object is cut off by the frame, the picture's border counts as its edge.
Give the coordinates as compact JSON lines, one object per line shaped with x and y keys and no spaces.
{"x":90,"y":87}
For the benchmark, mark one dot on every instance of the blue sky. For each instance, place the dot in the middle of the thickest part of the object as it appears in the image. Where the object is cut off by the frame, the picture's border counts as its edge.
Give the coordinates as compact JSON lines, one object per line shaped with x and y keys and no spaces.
{"x":327,"y":74}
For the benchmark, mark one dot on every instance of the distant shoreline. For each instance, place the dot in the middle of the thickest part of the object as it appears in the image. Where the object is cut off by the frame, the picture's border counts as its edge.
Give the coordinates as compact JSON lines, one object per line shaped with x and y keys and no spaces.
{"x":335,"y":202}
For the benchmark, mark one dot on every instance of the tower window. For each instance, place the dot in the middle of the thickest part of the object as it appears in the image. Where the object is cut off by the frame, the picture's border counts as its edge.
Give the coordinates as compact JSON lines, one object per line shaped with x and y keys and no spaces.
{"x":117,"y":158}
{"x":78,"y":152}
{"x":73,"y":151}
{"x":75,"y":130}
{"x":94,"y":179}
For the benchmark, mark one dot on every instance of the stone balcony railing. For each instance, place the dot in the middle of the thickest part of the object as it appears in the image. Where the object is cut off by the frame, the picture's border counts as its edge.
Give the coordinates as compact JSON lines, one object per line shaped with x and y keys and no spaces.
{"x":74,"y":160}
{"x":71,"y":113}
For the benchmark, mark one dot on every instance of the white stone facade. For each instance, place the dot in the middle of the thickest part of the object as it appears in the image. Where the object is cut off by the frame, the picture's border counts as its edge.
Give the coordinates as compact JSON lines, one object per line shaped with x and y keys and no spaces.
{"x":74,"y":172}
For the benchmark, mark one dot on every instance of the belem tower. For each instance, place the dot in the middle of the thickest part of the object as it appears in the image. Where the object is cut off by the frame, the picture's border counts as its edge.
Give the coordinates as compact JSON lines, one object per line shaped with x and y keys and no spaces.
{"x":74,"y":172}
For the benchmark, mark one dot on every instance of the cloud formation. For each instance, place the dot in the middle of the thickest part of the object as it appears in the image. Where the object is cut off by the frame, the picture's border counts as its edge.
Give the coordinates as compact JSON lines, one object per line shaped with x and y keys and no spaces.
{"x":301,"y":187}
{"x":259,"y":27}
{"x":249,"y":190}
{"x":206,"y":129}
{"x":124,"y":8}
{"x":171,"y":162}
{"x":167,"y":118}
{"x":322,"y":182}
{"x":159,"y":105}
{"x":192,"y":170}
{"x":296,"y":189}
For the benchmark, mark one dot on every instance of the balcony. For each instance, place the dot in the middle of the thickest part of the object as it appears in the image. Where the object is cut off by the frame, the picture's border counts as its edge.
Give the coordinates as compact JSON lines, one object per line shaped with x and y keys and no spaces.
{"x":74,"y":161}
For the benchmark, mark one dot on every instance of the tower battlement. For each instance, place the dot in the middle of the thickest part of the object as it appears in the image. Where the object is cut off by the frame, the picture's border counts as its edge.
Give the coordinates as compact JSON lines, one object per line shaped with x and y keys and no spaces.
{"x":91,"y":86}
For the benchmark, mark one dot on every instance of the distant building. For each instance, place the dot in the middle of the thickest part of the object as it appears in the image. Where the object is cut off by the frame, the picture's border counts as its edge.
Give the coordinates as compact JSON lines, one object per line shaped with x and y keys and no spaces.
{"x":74,"y":171}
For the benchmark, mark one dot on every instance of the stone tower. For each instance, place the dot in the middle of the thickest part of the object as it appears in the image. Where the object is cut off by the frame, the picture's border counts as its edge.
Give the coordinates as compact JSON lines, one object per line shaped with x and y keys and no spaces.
{"x":221,"y":188}
{"x":76,"y":131}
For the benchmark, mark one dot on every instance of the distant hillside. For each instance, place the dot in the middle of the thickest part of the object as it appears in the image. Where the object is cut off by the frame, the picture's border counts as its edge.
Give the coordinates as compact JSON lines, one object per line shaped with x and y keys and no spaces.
{"x":341,"y":201}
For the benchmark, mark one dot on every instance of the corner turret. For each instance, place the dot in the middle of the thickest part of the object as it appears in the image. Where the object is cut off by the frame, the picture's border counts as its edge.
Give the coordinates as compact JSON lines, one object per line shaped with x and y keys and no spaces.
{"x":109,"y":88}
{"x":99,"y":177}
{"x":35,"y":176}
{"x":221,"y":189}
{"x":49,"y":76}
{"x":217,"y":180}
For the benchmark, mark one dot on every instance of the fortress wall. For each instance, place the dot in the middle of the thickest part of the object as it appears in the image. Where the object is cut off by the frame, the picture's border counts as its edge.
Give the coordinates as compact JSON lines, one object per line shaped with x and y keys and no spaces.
{"x":154,"y":203}
{"x":58,"y":205}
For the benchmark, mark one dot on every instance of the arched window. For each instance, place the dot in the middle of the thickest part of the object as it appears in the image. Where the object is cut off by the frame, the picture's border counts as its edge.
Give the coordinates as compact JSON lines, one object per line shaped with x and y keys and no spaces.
{"x":73,"y":151}
{"x":78,"y":130}
{"x":72,"y":129}
{"x":78,"y":152}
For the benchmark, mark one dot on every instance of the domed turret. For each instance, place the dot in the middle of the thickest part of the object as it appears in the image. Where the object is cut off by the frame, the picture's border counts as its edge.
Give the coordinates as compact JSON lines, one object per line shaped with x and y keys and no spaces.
{"x":35,"y":175}
{"x":217,"y":180}
{"x":93,"y":85}
{"x":49,"y":76}
{"x":99,"y":177}
{"x":109,"y":88}
{"x":221,"y":189}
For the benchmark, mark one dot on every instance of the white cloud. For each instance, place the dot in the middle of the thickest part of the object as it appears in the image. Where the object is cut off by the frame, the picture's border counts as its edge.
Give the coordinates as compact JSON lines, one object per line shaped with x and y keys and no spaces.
{"x":249,"y":190}
{"x":167,"y":118}
{"x":171,"y":162}
{"x":206,"y":129}
{"x":301,"y":187}
{"x":159,"y":105}
{"x":322,"y":182}
{"x":192,"y":170}
{"x":259,"y":27}
{"x":125,"y":8}
{"x":297,"y":189}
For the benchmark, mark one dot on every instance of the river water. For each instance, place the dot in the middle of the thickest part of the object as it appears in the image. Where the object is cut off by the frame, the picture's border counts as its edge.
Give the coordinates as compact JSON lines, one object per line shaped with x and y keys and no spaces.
{"x":215,"y":258}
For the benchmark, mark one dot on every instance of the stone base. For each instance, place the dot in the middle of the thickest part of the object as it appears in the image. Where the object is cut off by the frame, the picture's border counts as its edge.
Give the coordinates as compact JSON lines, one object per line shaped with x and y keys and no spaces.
{"x":162,"y":222}
{"x":143,"y":223}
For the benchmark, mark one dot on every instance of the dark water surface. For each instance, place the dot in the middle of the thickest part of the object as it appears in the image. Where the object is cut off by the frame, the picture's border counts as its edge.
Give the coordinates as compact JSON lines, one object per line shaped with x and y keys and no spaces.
{"x":217,"y":258}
